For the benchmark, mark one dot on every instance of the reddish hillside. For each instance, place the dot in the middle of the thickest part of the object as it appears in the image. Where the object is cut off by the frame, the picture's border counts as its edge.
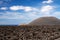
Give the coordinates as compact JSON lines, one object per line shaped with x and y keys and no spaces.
{"x":46,"y":21}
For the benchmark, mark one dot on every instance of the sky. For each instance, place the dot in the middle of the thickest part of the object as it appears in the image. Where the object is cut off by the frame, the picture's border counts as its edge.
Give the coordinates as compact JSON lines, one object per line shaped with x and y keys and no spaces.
{"x":16,"y":12}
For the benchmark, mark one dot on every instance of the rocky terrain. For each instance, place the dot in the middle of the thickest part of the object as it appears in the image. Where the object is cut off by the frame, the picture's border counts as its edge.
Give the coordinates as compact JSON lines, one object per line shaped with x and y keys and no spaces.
{"x":45,"y":28}
{"x":25,"y":32}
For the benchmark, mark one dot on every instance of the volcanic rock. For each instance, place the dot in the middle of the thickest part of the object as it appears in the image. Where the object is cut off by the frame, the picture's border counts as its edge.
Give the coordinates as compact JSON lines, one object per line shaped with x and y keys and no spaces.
{"x":45,"y":21}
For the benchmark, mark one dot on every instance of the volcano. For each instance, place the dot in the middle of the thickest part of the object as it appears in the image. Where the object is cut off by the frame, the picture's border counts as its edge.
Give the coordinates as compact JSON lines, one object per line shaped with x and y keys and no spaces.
{"x":46,"y":21}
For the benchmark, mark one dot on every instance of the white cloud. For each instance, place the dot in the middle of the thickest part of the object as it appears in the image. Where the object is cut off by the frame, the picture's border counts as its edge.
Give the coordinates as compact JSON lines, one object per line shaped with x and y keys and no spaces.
{"x":15,"y":7}
{"x":56,"y":13}
{"x":46,"y":8}
{"x":30,"y":12}
{"x":12,"y":15}
{"x":25,"y":8}
{"x":3,"y":8}
{"x":18,"y":15}
{"x":48,"y":1}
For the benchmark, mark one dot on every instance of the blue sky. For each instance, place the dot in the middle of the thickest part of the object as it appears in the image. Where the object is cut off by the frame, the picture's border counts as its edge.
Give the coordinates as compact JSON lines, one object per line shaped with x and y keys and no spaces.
{"x":15,"y":12}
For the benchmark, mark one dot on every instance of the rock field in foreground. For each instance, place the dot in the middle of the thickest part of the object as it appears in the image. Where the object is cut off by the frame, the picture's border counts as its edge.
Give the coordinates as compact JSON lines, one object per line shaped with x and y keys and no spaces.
{"x":24,"y":32}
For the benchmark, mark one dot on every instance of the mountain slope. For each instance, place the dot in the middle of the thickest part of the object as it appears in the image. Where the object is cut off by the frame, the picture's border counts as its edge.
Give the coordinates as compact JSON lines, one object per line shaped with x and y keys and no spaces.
{"x":46,"y":21}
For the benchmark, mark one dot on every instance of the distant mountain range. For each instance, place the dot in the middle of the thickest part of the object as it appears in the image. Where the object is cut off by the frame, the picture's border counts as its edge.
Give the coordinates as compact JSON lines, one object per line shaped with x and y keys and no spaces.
{"x":45,"y":21}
